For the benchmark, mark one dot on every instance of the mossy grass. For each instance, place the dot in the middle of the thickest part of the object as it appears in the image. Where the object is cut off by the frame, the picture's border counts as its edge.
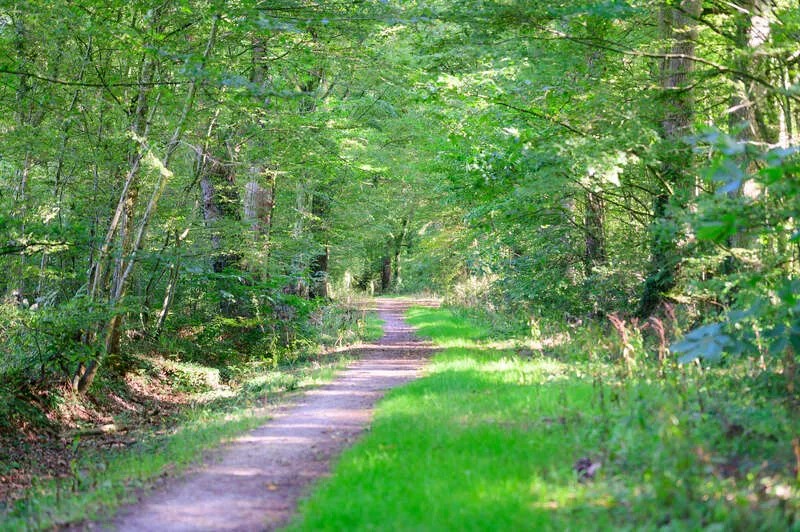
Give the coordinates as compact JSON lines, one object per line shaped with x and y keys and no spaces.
{"x":490,"y":440}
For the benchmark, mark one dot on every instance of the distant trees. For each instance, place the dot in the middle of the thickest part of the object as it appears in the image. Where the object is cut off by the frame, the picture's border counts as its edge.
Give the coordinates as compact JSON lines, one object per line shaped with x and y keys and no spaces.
{"x":210,"y":160}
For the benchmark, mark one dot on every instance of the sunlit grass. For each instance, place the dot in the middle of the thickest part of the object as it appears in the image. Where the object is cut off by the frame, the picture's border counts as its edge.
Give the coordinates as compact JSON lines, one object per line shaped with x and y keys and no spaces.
{"x":489,"y":441}
{"x":373,"y":328}
{"x":457,"y":450}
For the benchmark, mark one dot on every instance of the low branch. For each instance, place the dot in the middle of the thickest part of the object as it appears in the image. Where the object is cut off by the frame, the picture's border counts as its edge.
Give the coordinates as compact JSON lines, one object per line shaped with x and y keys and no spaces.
{"x":15,"y":248}
{"x":543,"y":116}
{"x":90,"y":84}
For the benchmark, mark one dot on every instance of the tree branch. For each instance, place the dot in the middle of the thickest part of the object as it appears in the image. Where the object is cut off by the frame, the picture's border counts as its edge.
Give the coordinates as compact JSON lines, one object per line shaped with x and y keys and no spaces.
{"x":543,"y":117}
{"x":90,"y":84}
{"x":620,"y":49}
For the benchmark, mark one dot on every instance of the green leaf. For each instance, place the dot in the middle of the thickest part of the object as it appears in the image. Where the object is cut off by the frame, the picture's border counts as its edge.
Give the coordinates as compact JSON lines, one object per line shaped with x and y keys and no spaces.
{"x":715,"y":231}
{"x":706,"y":342}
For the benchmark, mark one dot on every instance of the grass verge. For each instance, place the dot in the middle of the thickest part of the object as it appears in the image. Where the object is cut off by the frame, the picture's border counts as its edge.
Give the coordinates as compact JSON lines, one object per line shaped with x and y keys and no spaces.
{"x":103,"y":479}
{"x":490,"y":440}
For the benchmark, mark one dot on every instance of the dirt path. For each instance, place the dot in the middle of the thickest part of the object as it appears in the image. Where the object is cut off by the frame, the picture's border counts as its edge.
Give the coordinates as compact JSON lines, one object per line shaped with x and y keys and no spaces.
{"x":258,"y":478}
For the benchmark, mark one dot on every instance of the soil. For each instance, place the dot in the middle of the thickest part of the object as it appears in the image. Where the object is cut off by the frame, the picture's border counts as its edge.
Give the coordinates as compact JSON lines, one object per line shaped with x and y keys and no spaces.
{"x":255,"y":481}
{"x":61,"y":425}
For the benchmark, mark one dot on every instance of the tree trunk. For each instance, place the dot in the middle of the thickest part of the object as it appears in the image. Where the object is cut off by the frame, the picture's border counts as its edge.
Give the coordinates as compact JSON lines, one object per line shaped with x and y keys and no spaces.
{"x":319,"y":274}
{"x":399,"y":241}
{"x":678,"y":25}
{"x":752,"y":32}
{"x":172,"y":283}
{"x":595,"y":250}
{"x":259,"y":203}
{"x":320,"y":198}
{"x":23,"y":119}
{"x":747,"y":102}
{"x":220,"y":200}
{"x":120,"y":228}
{"x":386,"y":274}
{"x":320,"y":210}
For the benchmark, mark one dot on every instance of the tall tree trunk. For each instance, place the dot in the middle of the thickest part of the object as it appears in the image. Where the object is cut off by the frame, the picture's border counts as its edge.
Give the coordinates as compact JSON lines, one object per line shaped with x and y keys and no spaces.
{"x":220,"y":201}
{"x":320,"y":197}
{"x":398,"y":243}
{"x":172,"y":283}
{"x":319,"y":273}
{"x":595,"y":249}
{"x":594,"y":206}
{"x":746,"y":116}
{"x":120,"y":228}
{"x":749,"y":98}
{"x":23,"y":120}
{"x":678,"y":25}
{"x":259,"y":201}
{"x":318,"y":267}
{"x":386,"y":274}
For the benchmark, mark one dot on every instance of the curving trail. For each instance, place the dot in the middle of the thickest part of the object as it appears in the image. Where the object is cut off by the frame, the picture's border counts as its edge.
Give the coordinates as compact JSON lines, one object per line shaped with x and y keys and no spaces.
{"x":256,"y":482}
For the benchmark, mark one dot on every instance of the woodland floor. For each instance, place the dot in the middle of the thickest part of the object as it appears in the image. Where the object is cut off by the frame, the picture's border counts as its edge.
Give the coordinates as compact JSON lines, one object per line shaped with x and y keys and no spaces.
{"x":42,"y":452}
{"x":254,"y":482}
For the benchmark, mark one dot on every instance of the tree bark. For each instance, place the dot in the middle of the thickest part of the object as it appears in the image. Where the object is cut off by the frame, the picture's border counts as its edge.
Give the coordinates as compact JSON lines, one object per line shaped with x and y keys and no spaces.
{"x":172,"y":283}
{"x":259,"y":201}
{"x":23,"y":120}
{"x":386,"y":274}
{"x":595,"y":248}
{"x":220,"y":200}
{"x":399,"y":242}
{"x":320,"y":210}
{"x":319,"y":274}
{"x":746,"y":117}
{"x":678,"y":25}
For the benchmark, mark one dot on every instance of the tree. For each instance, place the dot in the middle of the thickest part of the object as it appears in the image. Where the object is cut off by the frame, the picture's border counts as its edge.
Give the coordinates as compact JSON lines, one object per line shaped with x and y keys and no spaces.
{"x":679,"y":26}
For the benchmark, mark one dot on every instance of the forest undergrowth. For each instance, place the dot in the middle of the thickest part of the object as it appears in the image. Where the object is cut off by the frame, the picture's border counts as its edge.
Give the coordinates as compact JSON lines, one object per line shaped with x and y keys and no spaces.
{"x":67,"y":458}
{"x":578,"y":429}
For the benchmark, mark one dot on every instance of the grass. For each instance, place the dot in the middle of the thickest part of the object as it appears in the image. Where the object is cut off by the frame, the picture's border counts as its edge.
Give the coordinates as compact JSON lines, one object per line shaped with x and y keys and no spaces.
{"x":103,"y":480}
{"x":491,"y":441}
{"x":373,"y":328}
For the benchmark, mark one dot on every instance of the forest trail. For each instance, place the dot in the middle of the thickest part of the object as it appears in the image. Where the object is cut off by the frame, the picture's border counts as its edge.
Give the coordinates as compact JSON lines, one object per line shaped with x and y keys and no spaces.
{"x":257,"y":479}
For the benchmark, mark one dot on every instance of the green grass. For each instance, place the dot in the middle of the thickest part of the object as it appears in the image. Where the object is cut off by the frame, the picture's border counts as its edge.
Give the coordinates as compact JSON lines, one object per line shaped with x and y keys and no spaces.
{"x":487,"y":441}
{"x":105,"y":480}
{"x":373,"y":328}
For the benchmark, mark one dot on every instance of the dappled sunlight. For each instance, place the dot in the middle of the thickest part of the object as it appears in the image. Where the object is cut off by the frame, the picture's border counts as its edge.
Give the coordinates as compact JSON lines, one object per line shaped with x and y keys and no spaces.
{"x":516,"y":344}
{"x":497,"y":477}
{"x":246,"y":472}
{"x":549,"y":368}
{"x":260,"y":474}
{"x":458,"y":343}
{"x":496,"y":440}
